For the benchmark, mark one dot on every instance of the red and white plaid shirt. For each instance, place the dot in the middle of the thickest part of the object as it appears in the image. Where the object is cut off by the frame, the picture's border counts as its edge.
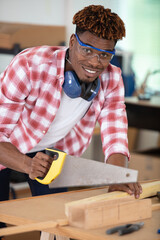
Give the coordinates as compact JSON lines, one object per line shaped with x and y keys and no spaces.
{"x":30,"y":95}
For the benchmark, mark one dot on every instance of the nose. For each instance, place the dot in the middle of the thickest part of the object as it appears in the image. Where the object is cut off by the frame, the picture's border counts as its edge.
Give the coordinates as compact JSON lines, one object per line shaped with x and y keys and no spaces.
{"x":95,"y":60}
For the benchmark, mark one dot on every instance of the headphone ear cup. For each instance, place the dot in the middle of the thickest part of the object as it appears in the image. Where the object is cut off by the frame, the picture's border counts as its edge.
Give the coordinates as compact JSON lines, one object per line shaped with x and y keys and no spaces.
{"x":74,"y":89}
{"x":71,"y":85}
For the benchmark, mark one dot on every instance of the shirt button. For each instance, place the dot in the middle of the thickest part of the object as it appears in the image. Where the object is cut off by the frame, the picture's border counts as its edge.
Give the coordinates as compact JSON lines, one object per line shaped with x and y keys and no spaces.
{"x":44,"y":131}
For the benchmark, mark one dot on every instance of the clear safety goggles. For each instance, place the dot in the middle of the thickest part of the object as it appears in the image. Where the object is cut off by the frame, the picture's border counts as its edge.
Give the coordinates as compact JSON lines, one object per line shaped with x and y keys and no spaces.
{"x":88,"y":52}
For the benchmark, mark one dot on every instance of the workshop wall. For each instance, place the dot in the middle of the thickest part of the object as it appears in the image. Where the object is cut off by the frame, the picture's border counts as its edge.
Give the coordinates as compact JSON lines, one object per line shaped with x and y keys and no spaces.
{"x":46,"y":12}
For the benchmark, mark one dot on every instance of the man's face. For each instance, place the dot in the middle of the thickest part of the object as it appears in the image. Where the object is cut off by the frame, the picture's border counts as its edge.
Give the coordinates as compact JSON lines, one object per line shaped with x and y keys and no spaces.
{"x":89,"y":63}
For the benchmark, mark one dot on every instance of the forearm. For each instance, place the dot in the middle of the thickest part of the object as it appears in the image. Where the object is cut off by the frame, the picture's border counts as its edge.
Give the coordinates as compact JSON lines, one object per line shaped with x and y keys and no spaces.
{"x":118,"y":159}
{"x":12,"y":158}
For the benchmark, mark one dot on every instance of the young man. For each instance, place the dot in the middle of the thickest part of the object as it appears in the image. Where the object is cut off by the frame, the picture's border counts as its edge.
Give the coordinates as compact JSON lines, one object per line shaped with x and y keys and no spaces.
{"x":53,"y":97}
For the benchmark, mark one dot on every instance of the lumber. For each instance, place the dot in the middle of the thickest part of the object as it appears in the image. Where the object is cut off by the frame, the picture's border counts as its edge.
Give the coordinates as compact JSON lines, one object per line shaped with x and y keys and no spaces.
{"x":149,"y":189}
{"x":38,"y":226}
{"x":98,"y":211}
{"x":108,"y":212}
{"x":50,"y":236}
{"x":111,"y":208}
{"x":51,"y":208}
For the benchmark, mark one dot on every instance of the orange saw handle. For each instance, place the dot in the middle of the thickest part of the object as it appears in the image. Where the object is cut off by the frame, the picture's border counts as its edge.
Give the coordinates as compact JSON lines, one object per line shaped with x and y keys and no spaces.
{"x":55,"y":168}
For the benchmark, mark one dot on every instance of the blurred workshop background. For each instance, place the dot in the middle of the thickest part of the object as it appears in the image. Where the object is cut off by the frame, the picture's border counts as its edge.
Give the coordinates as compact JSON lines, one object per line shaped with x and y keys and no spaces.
{"x":27,"y":23}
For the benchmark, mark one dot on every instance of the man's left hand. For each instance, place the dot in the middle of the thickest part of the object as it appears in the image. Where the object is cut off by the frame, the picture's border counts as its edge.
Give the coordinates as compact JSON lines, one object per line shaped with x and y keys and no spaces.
{"x":131,"y":188}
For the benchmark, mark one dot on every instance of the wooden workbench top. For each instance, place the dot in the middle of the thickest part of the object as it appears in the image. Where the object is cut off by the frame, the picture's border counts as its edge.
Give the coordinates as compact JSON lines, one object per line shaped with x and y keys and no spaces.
{"x":51,"y":207}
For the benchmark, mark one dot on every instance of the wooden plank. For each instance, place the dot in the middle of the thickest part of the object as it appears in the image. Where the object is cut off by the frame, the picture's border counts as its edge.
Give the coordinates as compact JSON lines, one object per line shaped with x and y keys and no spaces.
{"x":110,"y":212}
{"x":26,"y":228}
{"x":50,"y":236}
{"x":115,"y":212}
{"x":119,"y":206}
{"x":47,"y":236}
{"x":51,"y":208}
{"x":61,"y":238}
{"x":149,"y":189}
{"x":32,"y":227}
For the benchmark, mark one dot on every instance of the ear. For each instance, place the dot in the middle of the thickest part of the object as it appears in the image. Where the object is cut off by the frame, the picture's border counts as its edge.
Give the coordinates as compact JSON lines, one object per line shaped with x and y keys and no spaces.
{"x":71,"y":41}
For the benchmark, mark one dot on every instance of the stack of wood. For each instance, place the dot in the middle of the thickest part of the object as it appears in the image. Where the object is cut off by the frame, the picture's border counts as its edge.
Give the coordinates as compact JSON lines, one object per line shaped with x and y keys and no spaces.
{"x":111,"y":208}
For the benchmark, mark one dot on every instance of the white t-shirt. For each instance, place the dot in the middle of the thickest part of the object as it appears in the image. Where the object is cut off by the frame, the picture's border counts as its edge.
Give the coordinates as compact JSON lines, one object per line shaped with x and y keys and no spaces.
{"x":71,"y":110}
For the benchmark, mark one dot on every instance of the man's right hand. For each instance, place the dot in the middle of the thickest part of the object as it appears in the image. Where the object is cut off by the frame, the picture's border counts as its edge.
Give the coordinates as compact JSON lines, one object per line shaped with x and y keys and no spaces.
{"x":37,"y":166}
{"x":40,"y":164}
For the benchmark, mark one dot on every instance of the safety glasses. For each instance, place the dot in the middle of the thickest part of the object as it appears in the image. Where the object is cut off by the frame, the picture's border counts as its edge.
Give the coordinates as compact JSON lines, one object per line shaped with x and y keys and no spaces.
{"x":88,"y":51}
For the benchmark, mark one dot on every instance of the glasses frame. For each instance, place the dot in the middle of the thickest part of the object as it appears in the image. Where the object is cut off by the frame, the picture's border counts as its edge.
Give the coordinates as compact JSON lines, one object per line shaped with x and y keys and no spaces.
{"x":98,"y":49}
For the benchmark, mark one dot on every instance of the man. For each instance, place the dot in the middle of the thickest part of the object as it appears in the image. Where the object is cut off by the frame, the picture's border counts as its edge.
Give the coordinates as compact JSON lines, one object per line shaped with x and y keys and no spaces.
{"x":53,"y":97}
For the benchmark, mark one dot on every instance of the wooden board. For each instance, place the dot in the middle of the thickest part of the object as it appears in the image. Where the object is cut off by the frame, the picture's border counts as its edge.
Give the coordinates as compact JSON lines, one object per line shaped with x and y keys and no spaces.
{"x":52,"y":207}
{"x":107,"y":213}
{"x":111,"y":208}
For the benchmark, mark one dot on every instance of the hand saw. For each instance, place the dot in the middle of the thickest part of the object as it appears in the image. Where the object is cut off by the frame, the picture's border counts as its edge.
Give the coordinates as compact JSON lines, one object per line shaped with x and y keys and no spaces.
{"x":70,"y":171}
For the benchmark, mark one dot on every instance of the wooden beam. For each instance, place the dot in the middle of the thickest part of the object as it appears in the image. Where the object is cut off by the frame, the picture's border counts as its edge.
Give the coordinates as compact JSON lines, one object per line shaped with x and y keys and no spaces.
{"x":108,"y":212}
{"x":111,"y":208}
{"x":117,"y":207}
{"x":39,"y":226}
{"x":149,"y":189}
{"x":50,"y":236}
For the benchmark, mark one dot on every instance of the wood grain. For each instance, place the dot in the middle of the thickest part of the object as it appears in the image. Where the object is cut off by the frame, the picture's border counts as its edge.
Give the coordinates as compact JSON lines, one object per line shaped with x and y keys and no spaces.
{"x":32,"y":227}
{"x":111,"y":208}
{"x":52,"y":207}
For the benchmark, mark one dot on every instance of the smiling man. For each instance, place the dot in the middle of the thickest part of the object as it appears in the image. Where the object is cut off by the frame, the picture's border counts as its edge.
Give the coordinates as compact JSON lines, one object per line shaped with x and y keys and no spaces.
{"x":53,"y":97}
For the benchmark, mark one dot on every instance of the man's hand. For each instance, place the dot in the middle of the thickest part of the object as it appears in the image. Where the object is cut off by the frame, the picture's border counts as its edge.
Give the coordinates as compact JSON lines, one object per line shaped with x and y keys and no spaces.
{"x":131,"y":188}
{"x":37,"y":166}
{"x":40,"y":165}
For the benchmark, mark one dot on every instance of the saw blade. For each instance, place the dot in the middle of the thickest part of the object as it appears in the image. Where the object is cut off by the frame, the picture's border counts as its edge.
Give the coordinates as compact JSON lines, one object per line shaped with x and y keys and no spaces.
{"x":85,"y":172}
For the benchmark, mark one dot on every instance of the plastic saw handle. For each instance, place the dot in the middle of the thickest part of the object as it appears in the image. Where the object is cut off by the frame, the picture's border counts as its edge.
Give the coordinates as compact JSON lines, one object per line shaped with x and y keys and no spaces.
{"x":55,"y":168}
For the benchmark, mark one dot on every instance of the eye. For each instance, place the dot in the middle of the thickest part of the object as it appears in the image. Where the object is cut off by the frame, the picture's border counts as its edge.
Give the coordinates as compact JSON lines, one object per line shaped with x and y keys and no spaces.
{"x":105,"y":55}
{"x":87,"y":50}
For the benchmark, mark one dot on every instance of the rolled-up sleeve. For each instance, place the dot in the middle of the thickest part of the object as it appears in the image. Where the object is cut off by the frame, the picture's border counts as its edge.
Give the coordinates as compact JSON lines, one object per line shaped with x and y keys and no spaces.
{"x":113,"y":118}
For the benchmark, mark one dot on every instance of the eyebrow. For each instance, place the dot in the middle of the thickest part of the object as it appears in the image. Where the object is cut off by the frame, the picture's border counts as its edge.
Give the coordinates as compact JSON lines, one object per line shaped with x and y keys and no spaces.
{"x":98,"y":49}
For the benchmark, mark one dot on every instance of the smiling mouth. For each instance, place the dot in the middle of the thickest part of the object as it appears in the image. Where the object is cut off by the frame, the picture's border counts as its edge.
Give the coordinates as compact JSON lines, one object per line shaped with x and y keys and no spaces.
{"x":90,"y":71}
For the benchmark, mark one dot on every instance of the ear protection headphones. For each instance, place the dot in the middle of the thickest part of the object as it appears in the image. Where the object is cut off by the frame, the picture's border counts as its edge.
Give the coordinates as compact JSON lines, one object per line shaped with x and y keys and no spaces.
{"x":73,"y":88}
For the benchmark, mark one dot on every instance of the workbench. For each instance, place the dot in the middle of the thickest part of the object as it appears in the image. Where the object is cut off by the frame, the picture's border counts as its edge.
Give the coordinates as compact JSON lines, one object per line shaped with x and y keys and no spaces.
{"x":51,"y":207}
{"x":143,"y":114}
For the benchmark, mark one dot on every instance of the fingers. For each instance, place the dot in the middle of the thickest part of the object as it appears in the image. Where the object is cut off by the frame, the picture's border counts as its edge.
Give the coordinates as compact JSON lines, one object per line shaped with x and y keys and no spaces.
{"x":137,"y":190}
{"x":120,"y":187}
{"x":40,"y":165}
{"x":131,"y":188}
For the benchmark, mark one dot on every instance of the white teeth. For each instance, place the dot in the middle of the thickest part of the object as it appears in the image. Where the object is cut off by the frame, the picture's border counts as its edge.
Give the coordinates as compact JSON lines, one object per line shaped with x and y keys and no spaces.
{"x":90,"y":71}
